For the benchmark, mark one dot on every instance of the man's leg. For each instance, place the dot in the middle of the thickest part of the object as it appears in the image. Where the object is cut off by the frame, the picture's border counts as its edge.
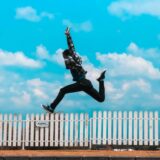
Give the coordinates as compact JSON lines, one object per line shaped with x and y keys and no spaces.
{"x":67,"y":89}
{"x":99,"y":96}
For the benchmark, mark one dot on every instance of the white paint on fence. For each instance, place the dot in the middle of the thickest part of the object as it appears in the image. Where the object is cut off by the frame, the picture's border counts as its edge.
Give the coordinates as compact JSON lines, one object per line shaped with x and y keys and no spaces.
{"x":71,"y":129}
{"x":104,"y":127}
{"x":19,"y":130}
{"x":114,"y":128}
{"x":140,"y":128}
{"x":145,"y":128}
{"x":1,"y":129}
{"x":94,"y":127}
{"x":119,"y":128}
{"x":5,"y":130}
{"x":10,"y":131}
{"x":125,"y":128}
{"x":109,"y":128}
{"x":81,"y":129}
{"x":151,"y":128}
{"x":47,"y":131}
{"x":135,"y":127}
{"x":37,"y":129}
{"x":130,"y":129}
{"x":86,"y":129}
{"x":99,"y":127}
{"x":61,"y":129}
{"x":56,"y":129}
{"x":74,"y":130}
{"x":15,"y":130}
{"x":66,"y":130}
{"x":27,"y":131}
{"x":32,"y":131}
{"x":42,"y":132}
{"x":156,"y":128}
{"x":51,"y":130}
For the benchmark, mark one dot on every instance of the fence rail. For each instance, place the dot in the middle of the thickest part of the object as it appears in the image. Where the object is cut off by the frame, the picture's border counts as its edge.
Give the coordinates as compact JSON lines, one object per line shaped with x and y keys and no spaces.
{"x":80,"y":130}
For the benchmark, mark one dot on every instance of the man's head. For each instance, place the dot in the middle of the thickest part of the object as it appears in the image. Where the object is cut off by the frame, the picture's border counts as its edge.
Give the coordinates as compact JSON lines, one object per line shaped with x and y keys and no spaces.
{"x":66,"y":53}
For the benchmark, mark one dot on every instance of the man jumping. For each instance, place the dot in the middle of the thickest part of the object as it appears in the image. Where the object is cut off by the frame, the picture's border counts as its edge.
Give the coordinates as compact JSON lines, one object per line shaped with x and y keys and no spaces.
{"x":73,"y":62}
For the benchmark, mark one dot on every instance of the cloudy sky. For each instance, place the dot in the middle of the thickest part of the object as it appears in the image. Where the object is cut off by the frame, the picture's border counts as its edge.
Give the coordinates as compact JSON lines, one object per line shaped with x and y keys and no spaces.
{"x":122,"y":36}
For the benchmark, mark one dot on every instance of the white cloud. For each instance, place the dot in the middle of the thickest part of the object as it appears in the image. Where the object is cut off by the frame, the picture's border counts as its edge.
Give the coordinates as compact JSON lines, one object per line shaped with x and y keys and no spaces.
{"x":128,"y":65}
{"x":40,"y":94}
{"x":18,"y":59}
{"x":139,"y":84}
{"x":35,"y":82}
{"x":30,"y":14}
{"x":124,"y":8}
{"x":46,"y":14}
{"x":150,"y":54}
{"x":22,"y":100}
{"x":77,"y":27}
{"x":57,"y":57}
{"x":42,"y":52}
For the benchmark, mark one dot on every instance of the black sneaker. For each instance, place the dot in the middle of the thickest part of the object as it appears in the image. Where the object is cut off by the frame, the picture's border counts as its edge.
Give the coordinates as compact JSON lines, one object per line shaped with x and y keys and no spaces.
{"x":47,"y":108}
{"x":102,"y":76}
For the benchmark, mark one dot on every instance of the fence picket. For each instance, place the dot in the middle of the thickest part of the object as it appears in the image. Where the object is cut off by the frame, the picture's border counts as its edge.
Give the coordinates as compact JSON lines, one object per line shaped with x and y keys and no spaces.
{"x":32,"y":130}
{"x":37,"y":132}
{"x":76,"y":130}
{"x":156,"y":133}
{"x":15,"y":130}
{"x":140,"y":128}
{"x":19,"y":130}
{"x":151,"y":128}
{"x":86,"y":129}
{"x":71,"y":129}
{"x":27,"y":130}
{"x":104,"y":127}
{"x":114,"y":128}
{"x":94,"y":127}
{"x":135,"y":127}
{"x":47,"y":131}
{"x":130,"y":129}
{"x":109,"y":127}
{"x":99,"y":127}
{"x":42,"y":132}
{"x":66,"y":130}
{"x":61,"y":128}
{"x":119,"y":128}
{"x":145,"y":128}
{"x":81,"y":129}
{"x":5,"y":131}
{"x":56,"y":129}
{"x":1,"y":129}
{"x":125,"y":128}
{"x":51,"y":130}
{"x":10,"y":130}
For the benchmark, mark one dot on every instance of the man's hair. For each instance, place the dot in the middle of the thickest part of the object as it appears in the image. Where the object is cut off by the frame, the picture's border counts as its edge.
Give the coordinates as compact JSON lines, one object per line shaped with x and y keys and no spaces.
{"x":66,"y":53}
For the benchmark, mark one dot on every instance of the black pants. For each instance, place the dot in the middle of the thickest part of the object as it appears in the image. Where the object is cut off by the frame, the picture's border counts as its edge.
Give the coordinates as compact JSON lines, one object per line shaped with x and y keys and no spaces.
{"x":83,"y":85}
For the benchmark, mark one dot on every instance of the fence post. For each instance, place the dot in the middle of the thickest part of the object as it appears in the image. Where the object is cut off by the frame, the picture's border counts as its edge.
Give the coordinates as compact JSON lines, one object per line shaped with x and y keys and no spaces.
{"x":23,"y":131}
{"x":90,"y":139}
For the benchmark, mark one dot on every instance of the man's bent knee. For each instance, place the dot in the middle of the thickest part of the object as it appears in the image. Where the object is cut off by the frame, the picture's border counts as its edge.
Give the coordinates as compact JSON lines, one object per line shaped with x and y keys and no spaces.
{"x":102,"y":99}
{"x":62,"y":90}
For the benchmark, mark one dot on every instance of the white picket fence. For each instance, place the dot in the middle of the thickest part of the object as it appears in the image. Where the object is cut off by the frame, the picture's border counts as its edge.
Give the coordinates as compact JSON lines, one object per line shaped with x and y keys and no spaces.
{"x":80,"y":130}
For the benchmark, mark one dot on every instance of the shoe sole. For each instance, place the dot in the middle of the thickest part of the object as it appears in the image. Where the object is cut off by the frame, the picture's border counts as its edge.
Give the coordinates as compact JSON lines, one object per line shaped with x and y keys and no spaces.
{"x":46,"y":109}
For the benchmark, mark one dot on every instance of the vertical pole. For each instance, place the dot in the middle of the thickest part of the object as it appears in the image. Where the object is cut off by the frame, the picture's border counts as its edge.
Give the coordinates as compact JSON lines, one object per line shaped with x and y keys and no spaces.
{"x":23,"y":131}
{"x":90,"y":145}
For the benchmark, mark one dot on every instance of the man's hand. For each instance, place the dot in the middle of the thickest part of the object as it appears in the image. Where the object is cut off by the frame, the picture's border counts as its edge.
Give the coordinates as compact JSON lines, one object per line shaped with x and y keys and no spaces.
{"x":67,"y":31}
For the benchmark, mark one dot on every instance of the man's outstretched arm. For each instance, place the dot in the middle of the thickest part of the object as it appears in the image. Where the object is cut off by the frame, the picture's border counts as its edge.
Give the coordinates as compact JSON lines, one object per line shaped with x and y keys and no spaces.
{"x":71,"y":47}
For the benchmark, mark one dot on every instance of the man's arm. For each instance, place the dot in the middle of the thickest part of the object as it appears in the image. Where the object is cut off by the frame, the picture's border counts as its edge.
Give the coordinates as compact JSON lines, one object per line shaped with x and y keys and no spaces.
{"x":71,"y":47}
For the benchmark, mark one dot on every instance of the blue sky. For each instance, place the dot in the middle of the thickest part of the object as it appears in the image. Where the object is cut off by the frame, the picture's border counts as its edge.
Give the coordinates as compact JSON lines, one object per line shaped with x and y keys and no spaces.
{"x":122,"y":36}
